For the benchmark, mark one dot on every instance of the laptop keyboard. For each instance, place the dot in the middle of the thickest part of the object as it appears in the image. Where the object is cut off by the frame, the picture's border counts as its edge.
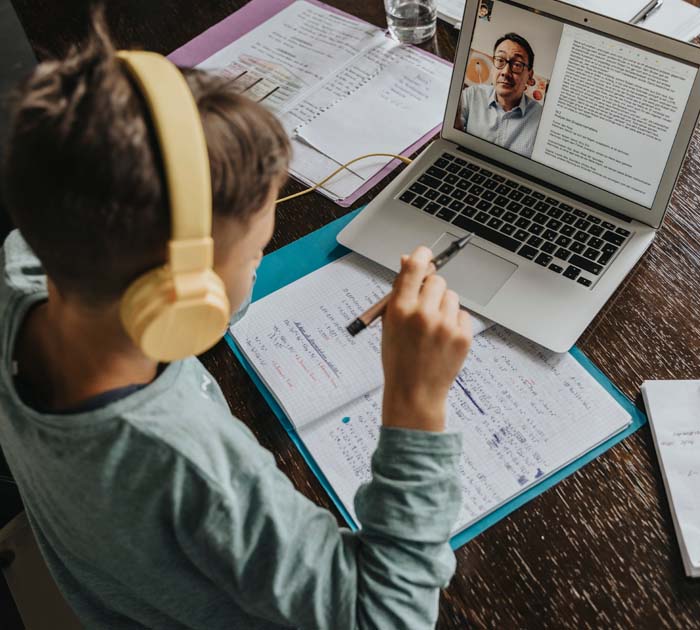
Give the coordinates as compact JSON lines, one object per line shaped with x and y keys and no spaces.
{"x":566,"y":240}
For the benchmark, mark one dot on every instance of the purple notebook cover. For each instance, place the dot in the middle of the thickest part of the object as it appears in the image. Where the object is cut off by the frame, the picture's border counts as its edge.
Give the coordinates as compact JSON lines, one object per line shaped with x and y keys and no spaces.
{"x":246,"y":19}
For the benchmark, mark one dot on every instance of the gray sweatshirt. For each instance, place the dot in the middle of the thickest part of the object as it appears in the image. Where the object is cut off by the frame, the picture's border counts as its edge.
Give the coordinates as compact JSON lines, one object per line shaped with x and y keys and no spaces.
{"x":158,"y":509}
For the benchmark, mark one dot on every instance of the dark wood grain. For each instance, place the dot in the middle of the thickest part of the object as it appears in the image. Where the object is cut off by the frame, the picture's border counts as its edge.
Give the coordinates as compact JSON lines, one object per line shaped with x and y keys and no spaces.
{"x":597,"y":550}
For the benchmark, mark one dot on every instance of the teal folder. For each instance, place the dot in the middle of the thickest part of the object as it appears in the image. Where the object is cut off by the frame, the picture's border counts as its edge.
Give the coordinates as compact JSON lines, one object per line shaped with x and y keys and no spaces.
{"x":320,"y":248}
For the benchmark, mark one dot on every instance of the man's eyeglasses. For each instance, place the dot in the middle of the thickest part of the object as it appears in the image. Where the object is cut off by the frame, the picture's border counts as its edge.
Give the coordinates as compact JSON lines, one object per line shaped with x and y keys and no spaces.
{"x":516,"y":67}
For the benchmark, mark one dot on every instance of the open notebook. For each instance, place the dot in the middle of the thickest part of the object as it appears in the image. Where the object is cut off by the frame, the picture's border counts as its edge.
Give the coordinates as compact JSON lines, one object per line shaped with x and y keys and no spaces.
{"x":524,"y":412}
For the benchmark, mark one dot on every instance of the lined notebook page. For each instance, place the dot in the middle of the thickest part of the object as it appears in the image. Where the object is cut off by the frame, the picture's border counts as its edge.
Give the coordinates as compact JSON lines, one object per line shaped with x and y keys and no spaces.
{"x":524,"y":413}
{"x":296,"y":340}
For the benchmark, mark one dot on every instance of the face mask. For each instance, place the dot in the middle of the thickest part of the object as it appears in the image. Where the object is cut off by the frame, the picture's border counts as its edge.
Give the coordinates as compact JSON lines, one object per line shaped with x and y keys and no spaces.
{"x":243,"y":308}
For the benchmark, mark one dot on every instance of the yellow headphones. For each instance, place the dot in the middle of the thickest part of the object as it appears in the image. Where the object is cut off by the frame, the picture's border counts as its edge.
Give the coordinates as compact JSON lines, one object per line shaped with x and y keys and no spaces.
{"x":180,"y":309}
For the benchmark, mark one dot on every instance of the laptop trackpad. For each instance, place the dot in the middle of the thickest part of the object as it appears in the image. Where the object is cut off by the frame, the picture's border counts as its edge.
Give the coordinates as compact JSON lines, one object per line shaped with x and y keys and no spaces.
{"x":474,"y":273}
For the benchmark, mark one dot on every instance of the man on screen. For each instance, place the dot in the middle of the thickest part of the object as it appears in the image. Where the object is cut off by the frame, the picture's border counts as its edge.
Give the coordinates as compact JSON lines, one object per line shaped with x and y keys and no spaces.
{"x":502,"y":113}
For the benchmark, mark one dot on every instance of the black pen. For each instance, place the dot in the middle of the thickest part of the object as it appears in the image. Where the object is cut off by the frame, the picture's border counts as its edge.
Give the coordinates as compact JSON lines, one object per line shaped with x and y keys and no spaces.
{"x":377,"y":310}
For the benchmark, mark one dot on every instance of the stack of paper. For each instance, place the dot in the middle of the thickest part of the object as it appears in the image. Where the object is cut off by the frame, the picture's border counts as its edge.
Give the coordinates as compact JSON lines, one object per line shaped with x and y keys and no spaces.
{"x":673,"y":408}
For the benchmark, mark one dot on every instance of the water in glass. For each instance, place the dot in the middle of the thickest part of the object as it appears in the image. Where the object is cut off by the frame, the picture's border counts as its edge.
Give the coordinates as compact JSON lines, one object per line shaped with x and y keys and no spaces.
{"x":411,"y":21}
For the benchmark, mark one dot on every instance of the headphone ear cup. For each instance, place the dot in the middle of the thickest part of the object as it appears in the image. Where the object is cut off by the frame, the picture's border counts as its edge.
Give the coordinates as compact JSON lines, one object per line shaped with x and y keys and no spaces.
{"x":168,"y":329}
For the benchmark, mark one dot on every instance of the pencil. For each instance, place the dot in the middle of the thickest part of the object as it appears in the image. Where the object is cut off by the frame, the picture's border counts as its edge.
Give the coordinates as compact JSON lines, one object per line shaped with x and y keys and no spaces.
{"x":377,"y":310}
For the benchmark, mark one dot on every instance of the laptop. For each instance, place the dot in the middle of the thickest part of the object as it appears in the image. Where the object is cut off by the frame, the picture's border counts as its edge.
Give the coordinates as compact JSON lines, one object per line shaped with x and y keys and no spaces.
{"x":563,"y":136}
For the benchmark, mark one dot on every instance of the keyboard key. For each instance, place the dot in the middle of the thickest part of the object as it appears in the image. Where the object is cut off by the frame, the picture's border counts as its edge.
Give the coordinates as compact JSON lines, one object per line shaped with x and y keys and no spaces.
{"x":577,"y":247}
{"x":471,"y":200}
{"x":456,"y":205}
{"x":582,"y":224}
{"x":453,"y":168}
{"x":549,"y":248}
{"x":594,"y":220}
{"x":476,"y":189}
{"x":407,"y":197}
{"x":527,"y":213}
{"x":509,"y":217}
{"x":502,"y":189}
{"x":432,"y":207}
{"x":465,"y":173}
{"x":522,"y":222}
{"x":581,"y":236}
{"x":436,"y":172}
{"x":567,"y":218}
{"x":554,"y":213}
{"x":555,"y":268}
{"x":563,"y":253}
{"x":459,"y":161}
{"x":552,"y":201}
{"x":584,"y":281}
{"x":445,"y":214}
{"x":543,"y":259}
{"x":604,"y":258}
{"x":615,"y":239}
{"x":595,"y":242}
{"x":535,"y":228}
{"x":486,"y":233}
{"x":502,"y":201}
{"x":469,"y":211}
{"x":572,"y":272}
{"x":482,"y":217}
{"x":451,"y":178}
{"x":563,"y":241}
{"x":447,"y":156}
{"x":595,"y":230}
{"x":553,"y":224}
{"x":542,"y":206}
{"x":568,"y":230}
{"x":508,"y":228}
{"x":622,"y":231}
{"x":418,"y":188}
{"x":535,"y":241}
{"x":549,"y":235}
{"x":521,"y":235}
{"x":458,"y":194}
{"x":514,"y":206}
{"x":527,"y":252}
{"x":496,"y":211}
{"x":609,"y":248}
{"x":489,"y":195}
{"x":540,"y":218}
{"x":524,"y":189}
{"x":472,"y":167}
{"x":591,"y":254}
{"x":431,"y":194}
{"x":463,"y":184}
{"x":608,"y":226}
{"x":446,"y":188}
{"x":499,"y":178}
{"x":511,"y":183}
{"x":419,"y":202}
{"x":429,"y":181}
{"x":528,"y":201}
{"x":490,"y":184}
{"x":537,"y":195}
{"x":566,"y":207}
{"x":580,"y":213}
{"x":515,"y":195}
{"x":444,"y":200}
{"x":587,"y":265}
{"x":485,"y":171}
{"x":483,"y":205}
{"x":495,"y":223}
{"x":478,"y":179}
{"x":442,"y":162}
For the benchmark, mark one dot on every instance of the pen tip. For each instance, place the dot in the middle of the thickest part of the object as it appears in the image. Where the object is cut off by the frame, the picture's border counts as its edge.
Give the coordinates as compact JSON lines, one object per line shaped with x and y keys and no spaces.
{"x":355,"y":327}
{"x":465,"y":239}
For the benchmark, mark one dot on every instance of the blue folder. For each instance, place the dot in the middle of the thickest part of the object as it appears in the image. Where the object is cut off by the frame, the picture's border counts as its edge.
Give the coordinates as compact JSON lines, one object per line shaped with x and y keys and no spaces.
{"x":320,"y":248}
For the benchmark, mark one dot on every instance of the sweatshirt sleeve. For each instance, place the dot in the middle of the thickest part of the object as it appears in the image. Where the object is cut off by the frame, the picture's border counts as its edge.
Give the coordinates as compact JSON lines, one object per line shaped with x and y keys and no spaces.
{"x":22,"y":269}
{"x":282,"y":558}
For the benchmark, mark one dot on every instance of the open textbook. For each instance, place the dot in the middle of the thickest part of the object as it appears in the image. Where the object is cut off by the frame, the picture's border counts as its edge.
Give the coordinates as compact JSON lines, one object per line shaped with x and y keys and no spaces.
{"x":524,"y":412}
{"x":341,"y":87}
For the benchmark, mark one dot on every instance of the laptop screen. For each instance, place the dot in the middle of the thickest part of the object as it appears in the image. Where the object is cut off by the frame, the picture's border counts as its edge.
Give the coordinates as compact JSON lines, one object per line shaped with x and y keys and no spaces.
{"x":587,"y":105}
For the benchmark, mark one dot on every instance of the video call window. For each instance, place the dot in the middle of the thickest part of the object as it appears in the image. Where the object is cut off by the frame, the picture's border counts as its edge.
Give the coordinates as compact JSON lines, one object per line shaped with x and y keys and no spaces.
{"x":569,"y":98}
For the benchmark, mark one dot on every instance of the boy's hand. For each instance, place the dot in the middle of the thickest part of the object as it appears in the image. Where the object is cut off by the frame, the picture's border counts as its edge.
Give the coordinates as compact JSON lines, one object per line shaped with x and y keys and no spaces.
{"x":425,"y":340}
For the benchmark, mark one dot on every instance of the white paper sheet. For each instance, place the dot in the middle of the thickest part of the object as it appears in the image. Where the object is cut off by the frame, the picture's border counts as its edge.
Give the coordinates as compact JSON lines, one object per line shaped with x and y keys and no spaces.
{"x":673,"y":408}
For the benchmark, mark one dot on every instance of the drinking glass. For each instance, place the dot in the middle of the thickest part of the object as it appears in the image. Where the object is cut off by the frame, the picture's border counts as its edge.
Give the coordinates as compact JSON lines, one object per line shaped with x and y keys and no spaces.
{"x":411,"y":21}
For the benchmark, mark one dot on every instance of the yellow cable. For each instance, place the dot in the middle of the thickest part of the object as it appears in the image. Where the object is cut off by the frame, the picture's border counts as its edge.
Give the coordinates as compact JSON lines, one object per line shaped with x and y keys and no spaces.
{"x":403,"y":158}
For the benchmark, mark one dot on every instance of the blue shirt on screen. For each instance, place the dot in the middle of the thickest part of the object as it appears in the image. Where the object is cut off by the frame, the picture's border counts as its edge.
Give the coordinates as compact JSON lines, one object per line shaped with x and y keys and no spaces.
{"x":483,"y":117}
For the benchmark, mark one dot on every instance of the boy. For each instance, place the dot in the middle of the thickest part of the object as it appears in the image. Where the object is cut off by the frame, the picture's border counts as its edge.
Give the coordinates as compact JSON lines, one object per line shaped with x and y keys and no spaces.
{"x":153,"y":507}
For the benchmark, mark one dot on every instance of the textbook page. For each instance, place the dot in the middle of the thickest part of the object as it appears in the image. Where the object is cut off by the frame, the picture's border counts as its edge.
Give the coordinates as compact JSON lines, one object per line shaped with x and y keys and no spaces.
{"x":607,"y":141}
{"x":289,"y":54}
{"x":296,"y":340}
{"x":524,"y":412}
{"x":411,"y":88}
{"x":673,"y":410}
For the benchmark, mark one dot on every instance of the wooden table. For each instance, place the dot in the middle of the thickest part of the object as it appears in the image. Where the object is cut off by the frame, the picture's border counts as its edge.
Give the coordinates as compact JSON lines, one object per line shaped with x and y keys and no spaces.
{"x":598,"y":550}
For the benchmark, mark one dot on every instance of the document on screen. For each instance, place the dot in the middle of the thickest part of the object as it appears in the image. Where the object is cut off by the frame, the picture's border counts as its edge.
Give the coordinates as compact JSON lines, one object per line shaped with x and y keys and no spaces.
{"x":609,"y":108}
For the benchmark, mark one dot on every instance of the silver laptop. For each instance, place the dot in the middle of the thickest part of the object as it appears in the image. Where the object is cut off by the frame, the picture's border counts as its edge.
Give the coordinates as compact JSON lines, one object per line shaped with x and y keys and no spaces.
{"x":563,"y":136}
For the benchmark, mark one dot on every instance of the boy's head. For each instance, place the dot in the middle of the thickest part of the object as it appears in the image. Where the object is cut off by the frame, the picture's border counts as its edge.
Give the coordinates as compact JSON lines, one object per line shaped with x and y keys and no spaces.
{"x":85,"y":185}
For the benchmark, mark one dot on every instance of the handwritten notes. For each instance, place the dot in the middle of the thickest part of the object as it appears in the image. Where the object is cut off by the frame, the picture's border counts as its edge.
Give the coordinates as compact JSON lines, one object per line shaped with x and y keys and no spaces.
{"x":524,"y":412}
{"x":673,"y":408}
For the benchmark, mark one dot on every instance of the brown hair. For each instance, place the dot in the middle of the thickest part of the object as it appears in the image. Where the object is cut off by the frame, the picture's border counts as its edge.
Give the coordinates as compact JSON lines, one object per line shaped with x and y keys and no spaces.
{"x":83,"y":177}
